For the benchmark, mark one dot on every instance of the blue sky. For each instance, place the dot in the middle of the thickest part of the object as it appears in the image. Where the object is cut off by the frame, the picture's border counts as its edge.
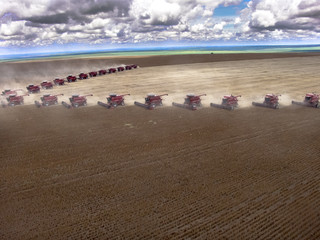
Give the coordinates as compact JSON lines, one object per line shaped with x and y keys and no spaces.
{"x":57,"y":25}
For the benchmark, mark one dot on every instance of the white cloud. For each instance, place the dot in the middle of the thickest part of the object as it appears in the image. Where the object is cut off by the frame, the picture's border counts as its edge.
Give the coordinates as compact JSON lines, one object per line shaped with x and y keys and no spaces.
{"x":26,"y":22}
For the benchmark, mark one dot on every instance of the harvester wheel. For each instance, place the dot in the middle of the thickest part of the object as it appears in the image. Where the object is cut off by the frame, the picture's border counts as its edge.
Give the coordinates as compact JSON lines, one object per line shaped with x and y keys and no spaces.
{"x":122,"y":103}
{"x":46,"y":104}
{"x":152,"y":106}
{"x":76,"y":105}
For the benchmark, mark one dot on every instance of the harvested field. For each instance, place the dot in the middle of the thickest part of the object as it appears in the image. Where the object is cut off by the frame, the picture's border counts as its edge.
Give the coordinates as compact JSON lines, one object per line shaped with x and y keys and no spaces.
{"x":171,"y":173}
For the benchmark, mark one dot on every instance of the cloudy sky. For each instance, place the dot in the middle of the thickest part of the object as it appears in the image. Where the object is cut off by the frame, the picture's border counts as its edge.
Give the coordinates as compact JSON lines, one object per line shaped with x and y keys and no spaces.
{"x":32,"y":23}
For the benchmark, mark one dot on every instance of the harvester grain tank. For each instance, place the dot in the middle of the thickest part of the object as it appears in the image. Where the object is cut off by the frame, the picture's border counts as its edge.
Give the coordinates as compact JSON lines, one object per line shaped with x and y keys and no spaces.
{"x":33,"y":88}
{"x":59,"y":81}
{"x":48,"y":100}
{"x":78,"y":100}
{"x":46,"y":85}
{"x":83,"y":76}
{"x":191,"y":101}
{"x":310,"y":100}
{"x":151,"y":101}
{"x":14,"y":100}
{"x":71,"y":78}
{"x":93,"y":74}
{"x":270,"y":101}
{"x":229,"y":102}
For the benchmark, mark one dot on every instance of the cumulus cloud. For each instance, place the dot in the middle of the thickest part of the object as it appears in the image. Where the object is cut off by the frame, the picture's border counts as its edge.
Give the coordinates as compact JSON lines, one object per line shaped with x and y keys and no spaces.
{"x":41,"y":22}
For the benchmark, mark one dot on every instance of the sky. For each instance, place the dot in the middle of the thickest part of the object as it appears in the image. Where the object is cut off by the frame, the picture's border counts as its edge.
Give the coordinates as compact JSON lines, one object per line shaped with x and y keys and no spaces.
{"x":96,"y":24}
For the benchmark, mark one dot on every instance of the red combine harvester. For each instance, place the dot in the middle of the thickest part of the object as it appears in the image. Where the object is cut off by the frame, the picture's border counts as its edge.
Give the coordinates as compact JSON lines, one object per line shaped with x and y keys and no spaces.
{"x":93,"y":74}
{"x":114,"y":100}
{"x":102,"y":72}
{"x":33,"y":88}
{"x":112,"y":70}
{"x":8,"y":92}
{"x":77,"y":101}
{"x":310,"y":100}
{"x":191,"y":102}
{"x":229,"y":102}
{"x":133,"y":66}
{"x":48,"y":100}
{"x":71,"y":78}
{"x":58,"y":81}
{"x":128,"y":67}
{"x":83,"y":76}
{"x":270,"y":101}
{"x":120,"y":69}
{"x":46,"y":85}
{"x":14,"y":100}
{"x":151,"y":101}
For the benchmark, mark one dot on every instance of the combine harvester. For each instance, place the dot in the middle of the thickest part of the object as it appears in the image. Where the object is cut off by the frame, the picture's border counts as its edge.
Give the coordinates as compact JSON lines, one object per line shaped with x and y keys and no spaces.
{"x":93,"y":74}
{"x":59,"y":81}
{"x":102,"y":72}
{"x":151,"y":101}
{"x":191,"y":102}
{"x":112,"y":70}
{"x":13,"y":100}
{"x":71,"y":78}
{"x":114,"y":100}
{"x":33,"y":88}
{"x":83,"y":76}
{"x":48,"y":100}
{"x":77,"y":101}
{"x":8,"y":92}
{"x":310,"y":100}
{"x":120,"y":69}
{"x":270,"y":101}
{"x":46,"y":85}
{"x":229,"y":102}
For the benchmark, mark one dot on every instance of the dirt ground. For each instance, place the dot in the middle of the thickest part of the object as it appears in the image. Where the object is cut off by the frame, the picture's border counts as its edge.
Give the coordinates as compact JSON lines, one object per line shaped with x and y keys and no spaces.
{"x":171,"y":173}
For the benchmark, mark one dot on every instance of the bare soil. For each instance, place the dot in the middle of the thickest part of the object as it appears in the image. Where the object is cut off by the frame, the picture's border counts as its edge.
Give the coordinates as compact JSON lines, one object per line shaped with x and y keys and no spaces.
{"x":171,"y":173}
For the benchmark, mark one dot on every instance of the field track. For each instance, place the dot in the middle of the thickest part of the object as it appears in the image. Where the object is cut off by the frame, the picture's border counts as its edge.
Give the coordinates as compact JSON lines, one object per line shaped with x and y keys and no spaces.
{"x":130,"y":173}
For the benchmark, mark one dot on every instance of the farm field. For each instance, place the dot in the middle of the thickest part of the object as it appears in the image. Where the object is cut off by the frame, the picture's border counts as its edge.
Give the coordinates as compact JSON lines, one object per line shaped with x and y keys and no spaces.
{"x":171,"y":173}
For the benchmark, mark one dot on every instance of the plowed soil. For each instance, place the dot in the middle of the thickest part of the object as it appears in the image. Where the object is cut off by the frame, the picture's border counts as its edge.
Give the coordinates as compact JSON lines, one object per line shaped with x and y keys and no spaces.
{"x":170,"y":173}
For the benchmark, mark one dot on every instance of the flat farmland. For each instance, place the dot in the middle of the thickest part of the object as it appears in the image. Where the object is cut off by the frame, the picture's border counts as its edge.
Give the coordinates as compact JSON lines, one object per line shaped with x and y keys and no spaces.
{"x":171,"y":173}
